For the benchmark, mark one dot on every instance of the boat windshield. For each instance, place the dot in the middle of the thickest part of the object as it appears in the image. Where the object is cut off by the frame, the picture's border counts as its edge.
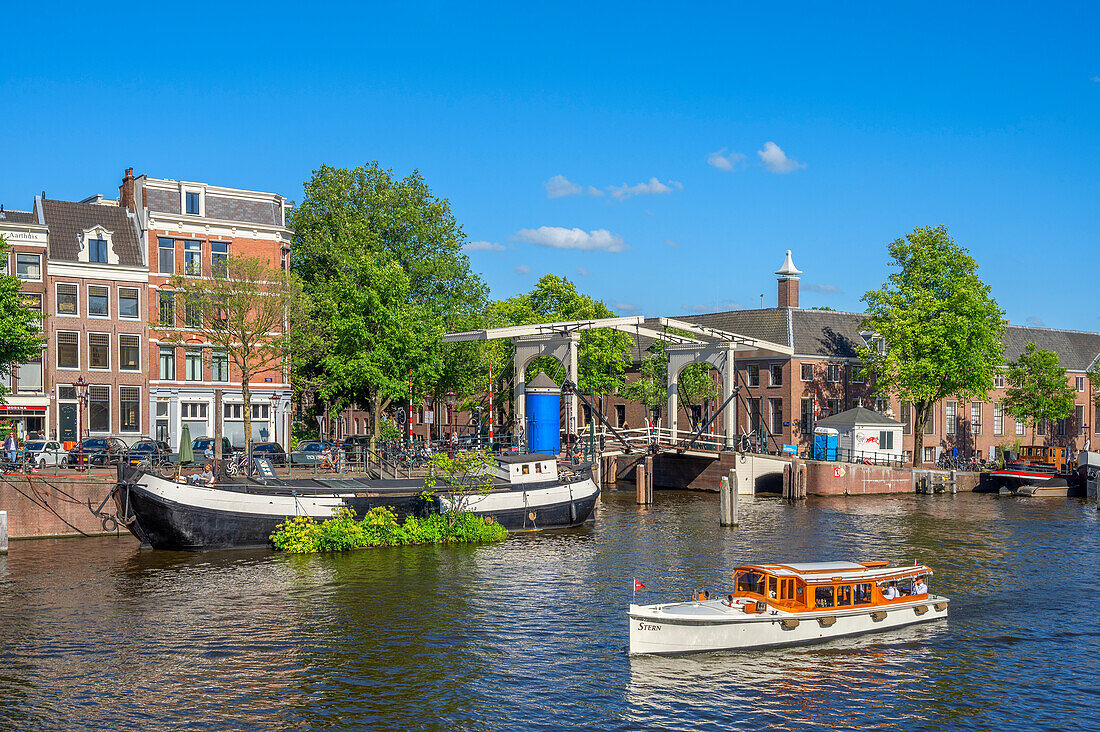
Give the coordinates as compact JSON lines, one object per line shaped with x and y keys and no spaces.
{"x":750,"y":582}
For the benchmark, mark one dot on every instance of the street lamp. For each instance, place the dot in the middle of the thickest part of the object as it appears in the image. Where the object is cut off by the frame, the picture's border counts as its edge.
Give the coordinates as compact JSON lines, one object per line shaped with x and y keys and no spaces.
{"x":274,"y":417}
{"x":450,"y":398}
{"x":81,"y":388}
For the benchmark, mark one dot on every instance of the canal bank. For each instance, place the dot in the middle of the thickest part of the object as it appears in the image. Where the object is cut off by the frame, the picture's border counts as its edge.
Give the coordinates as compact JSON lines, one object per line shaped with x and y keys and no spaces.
{"x":48,"y":505}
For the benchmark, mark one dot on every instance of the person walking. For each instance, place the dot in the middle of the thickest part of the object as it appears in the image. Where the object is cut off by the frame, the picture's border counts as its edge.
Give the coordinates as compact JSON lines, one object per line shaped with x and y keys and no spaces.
{"x":11,"y":446}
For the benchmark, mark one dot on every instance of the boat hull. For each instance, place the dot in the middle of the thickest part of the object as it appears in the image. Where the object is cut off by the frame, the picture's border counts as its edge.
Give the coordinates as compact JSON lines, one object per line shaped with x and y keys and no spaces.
{"x":169,"y":515}
{"x":661,"y":632}
{"x":1026,"y":483}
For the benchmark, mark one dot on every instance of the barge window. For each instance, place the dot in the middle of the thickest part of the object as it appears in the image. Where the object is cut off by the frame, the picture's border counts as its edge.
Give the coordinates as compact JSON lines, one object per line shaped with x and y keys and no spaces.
{"x":863,"y":594}
{"x":750,"y":582}
{"x":773,"y":587}
{"x":844,"y":595}
{"x":905,"y":586}
{"x":526,"y":469}
{"x":786,"y":589}
{"x":823,"y":597}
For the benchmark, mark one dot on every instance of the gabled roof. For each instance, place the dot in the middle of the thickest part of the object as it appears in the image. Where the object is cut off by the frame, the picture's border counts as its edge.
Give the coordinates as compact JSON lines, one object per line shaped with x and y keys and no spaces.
{"x":858,"y":416}
{"x":826,"y":333}
{"x":67,"y":220}
{"x":1076,"y":349}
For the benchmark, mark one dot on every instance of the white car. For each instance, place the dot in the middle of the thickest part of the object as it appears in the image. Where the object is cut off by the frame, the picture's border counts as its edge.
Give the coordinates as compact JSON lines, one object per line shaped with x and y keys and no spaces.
{"x":44,"y":453}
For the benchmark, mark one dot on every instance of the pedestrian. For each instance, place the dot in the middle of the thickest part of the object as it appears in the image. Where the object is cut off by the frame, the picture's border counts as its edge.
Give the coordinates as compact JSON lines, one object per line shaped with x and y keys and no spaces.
{"x":11,"y":446}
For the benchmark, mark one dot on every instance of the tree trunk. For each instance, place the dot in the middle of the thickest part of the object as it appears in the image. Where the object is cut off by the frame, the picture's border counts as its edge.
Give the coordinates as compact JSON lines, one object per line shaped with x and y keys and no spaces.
{"x":376,"y":420}
{"x":920,"y":418}
{"x":246,"y":392}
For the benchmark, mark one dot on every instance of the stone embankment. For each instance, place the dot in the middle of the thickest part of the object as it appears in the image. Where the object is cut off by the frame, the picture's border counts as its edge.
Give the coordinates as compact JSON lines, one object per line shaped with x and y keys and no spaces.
{"x":46,"y":505}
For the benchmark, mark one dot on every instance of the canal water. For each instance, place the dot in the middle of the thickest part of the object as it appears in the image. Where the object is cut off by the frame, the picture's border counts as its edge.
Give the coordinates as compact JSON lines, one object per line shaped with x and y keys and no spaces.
{"x":531,"y":634}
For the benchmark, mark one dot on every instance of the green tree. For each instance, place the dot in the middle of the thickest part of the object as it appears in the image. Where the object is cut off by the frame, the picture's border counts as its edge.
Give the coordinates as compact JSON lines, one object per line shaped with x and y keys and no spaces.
{"x":1037,"y":388}
{"x":603,"y":355}
{"x":358,"y":224}
{"x":20,"y":326}
{"x":247,"y":310}
{"x":460,"y":477}
{"x":940,"y":326}
{"x":694,"y":387}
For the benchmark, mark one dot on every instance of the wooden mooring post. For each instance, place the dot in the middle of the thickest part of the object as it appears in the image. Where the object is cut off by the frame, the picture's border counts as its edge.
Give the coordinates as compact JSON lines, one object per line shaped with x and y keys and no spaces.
{"x":727,"y":499}
{"x":794,"y":480}
{"x":3,"y":532}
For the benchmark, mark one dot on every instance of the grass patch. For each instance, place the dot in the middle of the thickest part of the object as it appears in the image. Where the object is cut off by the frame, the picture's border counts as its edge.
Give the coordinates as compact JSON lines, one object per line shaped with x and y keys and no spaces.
{"x":303,"y":534}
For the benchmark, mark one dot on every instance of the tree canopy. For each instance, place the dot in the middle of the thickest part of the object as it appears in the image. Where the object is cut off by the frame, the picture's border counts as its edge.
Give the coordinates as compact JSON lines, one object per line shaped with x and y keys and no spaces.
{"x":1037,"y":388}
{"x":694,"y":386}
{"x":20,"y":326}
{"x":603,"y":355}
{"x":941,"y":328}
{"x":381,"y":261}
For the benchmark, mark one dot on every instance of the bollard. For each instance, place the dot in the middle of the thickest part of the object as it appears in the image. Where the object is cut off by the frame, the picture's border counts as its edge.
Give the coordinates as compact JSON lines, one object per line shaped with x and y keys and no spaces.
{"x":734,"y":497}
{"x":3,"y":532}
{"x":725,"y":510}
{"x":639,"y":476}
{"x":788,"y":492}
{"x":649,"y":479}
{"x":954,"y":482}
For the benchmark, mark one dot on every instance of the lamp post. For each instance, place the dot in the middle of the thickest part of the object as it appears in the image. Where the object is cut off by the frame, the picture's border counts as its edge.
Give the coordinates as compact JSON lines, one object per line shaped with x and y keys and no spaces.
{"x":274,"y":398}
{"x":450,"y":398}
{"x":81,"y":388}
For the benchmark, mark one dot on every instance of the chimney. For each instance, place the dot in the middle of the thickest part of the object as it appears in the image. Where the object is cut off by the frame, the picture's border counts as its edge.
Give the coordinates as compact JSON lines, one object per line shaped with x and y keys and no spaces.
{"x":126,"y":192}
{"x":788,"y":283}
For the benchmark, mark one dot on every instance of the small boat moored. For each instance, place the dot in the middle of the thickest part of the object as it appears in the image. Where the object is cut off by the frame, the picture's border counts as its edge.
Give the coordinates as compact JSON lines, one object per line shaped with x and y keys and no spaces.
{"x":789,"y":604}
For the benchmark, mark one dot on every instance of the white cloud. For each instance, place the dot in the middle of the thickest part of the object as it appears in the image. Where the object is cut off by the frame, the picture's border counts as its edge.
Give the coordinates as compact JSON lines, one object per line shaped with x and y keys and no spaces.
{"x":671,"y":243}
{"x":559,"y":237}
{"x":722,"y":161}
{"x":1095,"y":79}
{"x":625,"y":307}
{"x":775,"y":160}
{"x":483,"y":246}
{"x":824,"y":289}
{"x":522,"y":269}
{"x":559,"y":187}
{"x":593,"y":191}
{"x":653,"y":187}
{"x":583,"y":272}
{"x":1036,"y":321}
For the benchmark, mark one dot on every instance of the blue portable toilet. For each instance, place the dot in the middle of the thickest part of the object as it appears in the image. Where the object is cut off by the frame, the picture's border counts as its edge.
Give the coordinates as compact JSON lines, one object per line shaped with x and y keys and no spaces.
{"x":826,"y":441}
{"x":543,"y":413}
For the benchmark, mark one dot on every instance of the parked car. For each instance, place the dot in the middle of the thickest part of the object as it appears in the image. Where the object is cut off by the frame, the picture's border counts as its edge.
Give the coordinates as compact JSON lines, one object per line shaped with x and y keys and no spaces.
{"x":155,"y":452}
{"x":199,"y":445}
{"x":309,"y":452}
{"x":273,"y":451}
{"x":97,"y":452}
{"x":355,"y":445}
{"x":43,"y":453}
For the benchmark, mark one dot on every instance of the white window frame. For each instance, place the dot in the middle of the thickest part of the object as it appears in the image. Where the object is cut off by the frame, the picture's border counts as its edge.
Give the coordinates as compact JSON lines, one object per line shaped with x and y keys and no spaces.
{"x":998,"y":381}
{"x":138,"y":339}
{"x":136,"y":430}
{"x":57,"y":300}
{"x":184,"y":190}
{"x":802,"y":370}
{"x":89,"y":403}
{"x":998,"y":418}
{"x":773,"y":368}
{"x":137,"y":290}
{"x":57,"y":350}
{"x":88,"y":290}
{"x":1080,"y":383}
{"x":99,"y":368}
{"x":950,"y":417}
{"x":15,"y":266}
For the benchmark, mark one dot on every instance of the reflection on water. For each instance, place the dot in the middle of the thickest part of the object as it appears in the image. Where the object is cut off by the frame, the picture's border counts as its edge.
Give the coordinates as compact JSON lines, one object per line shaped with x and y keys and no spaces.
{"x":531,"y":633}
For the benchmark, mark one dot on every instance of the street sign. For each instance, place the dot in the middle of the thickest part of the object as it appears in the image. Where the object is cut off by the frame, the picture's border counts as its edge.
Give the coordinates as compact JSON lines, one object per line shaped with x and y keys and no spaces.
{"x":400,"y":416}
{"x":790,"y":449}
{"x":429,"y":417}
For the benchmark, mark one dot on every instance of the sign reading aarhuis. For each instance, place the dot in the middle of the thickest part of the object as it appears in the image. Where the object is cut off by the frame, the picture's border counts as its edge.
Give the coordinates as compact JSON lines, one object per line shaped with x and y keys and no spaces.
{"x":38,"y":237}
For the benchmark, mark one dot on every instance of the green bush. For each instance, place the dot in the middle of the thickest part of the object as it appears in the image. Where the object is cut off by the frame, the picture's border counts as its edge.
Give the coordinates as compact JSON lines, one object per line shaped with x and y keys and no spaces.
{"x":303,"y":535}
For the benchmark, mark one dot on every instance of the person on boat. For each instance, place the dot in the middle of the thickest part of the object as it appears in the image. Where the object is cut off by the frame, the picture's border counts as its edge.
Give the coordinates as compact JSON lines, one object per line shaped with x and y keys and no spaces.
{"x":891,"y":591}
{"x":206,"y":477}
{"x":919,"y":587}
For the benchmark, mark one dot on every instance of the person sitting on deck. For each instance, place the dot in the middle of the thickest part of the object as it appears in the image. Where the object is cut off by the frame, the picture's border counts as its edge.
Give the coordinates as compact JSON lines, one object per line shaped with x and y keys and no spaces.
{"x":919,"y":587}
{"x":206,"y":477}
{"x":891,"y":592}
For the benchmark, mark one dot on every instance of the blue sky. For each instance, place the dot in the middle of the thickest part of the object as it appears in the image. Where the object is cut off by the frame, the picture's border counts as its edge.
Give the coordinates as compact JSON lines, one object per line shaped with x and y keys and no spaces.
{"x":840,"y":128}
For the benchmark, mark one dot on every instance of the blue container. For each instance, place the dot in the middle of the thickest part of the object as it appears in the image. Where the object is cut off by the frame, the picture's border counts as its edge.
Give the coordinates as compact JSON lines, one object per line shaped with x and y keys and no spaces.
{"x":825,"y":443}
{"x":543,"y":413}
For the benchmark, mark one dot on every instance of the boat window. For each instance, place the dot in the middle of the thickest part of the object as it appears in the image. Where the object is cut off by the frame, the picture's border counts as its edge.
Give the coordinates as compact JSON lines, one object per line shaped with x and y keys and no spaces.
{"x":526,"y":469}
{"x":863,"y":594}
{"x":538,"y":467}
{"x":786,"y":589}
{"x":905,"y":586}
{"x":823,"y":597}
{"x":844,"y":595}
{"x":750,"y":582}
{"x":773,"y":587}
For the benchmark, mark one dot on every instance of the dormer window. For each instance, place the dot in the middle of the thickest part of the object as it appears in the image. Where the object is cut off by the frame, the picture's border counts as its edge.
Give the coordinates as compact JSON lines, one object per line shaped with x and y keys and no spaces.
{"x":97,"y":250}
{"x":96,"y":246}
{"x":193,"y":203}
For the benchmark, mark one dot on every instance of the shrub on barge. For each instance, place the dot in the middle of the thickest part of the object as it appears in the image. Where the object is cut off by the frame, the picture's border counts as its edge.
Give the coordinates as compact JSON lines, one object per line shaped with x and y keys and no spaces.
{"x":380,"y":527}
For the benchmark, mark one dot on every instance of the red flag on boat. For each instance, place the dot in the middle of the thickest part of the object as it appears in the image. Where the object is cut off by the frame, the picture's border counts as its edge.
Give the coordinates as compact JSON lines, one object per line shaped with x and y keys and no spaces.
{"x":638,"y":586}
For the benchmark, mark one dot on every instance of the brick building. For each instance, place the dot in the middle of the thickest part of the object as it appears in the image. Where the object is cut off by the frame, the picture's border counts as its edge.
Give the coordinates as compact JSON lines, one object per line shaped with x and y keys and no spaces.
{"x":190,"y":228}
{"x":28,"y":401}
{"x":780,"y":393}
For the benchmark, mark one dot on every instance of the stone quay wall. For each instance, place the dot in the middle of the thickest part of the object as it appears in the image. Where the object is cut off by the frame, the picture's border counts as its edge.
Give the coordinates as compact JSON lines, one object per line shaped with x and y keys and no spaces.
{"x":41,"y":506}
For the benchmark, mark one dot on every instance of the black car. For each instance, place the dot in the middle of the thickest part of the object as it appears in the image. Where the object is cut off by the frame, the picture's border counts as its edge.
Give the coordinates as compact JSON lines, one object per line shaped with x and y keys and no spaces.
{"x":272,"y":451}
{"x":97,"y":452}
{"x":156,"y":453}
{"x":355,"y":445}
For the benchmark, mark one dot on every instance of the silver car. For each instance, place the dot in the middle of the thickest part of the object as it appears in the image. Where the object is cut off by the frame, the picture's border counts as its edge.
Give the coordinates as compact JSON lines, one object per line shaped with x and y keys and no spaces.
{"x":43,"y":453}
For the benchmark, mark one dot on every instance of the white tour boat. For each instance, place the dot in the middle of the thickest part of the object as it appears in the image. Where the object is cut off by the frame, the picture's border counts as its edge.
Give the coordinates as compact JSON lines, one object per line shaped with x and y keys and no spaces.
{"x":789,"y":604}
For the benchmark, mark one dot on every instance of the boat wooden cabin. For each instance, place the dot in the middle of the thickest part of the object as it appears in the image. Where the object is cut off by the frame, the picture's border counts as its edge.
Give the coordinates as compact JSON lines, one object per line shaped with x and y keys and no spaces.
{"x":813,"y":586}
{"x":1053,"y":457}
